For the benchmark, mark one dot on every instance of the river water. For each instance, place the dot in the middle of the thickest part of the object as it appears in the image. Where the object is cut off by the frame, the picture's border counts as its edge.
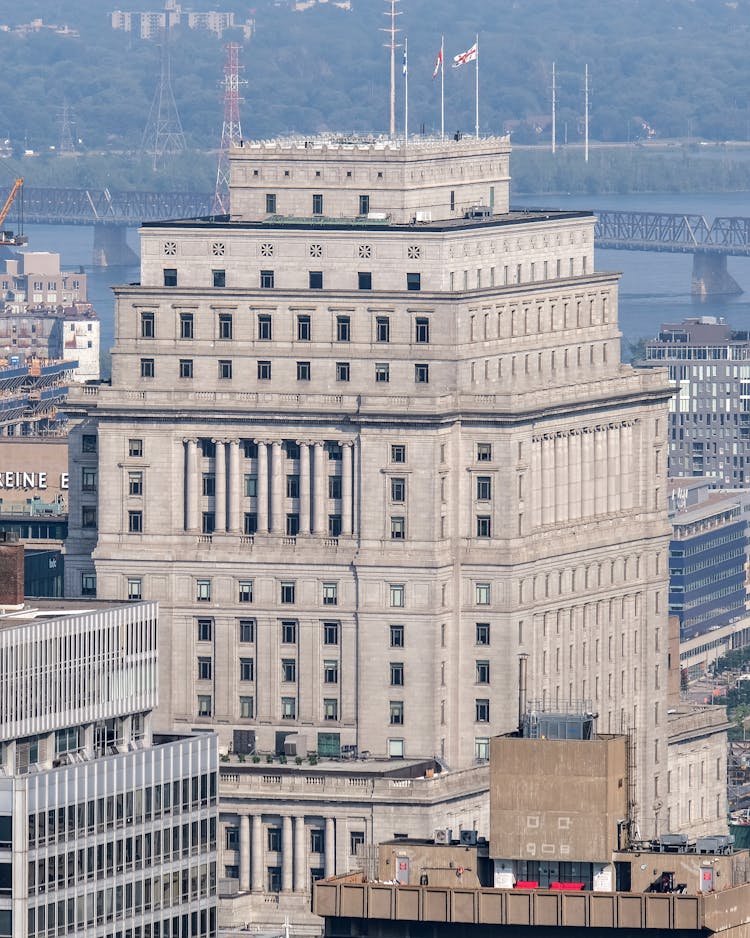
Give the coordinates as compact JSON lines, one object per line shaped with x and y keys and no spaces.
{"x":655,"y":288}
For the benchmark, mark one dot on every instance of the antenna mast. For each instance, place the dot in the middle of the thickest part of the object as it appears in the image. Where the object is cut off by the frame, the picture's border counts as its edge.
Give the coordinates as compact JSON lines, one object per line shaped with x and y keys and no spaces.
{"x":554,"y":109}
{"x":586,"y":118}
{"x":231,"y":131}
{"x":392,"y":45}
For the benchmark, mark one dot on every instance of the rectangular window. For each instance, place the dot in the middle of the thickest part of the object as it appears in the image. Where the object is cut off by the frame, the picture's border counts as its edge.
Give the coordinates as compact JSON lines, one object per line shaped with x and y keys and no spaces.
{"x":204,"y":669}
{"x":396,"y":633}
{"x":397,"y":674}
{"x":88,"y":584}
{"x":289,"y":632}
{"x":266,"y":280}
{"x":356,"y":840}
{"x":397,"y":713}
{"x":251,"y":486}
{"x":483,"y":633}
{"x":292,"y":524}
{"x":330,"y":672}
{"x":208,"y":482}
{"x":288,"y":671}
{"x":398,"y":453}
{"x":330,"y":708}
{"x":397,"y":594}
{"x":292,"y":486}
{"x":414,"y":281}
{"x":317,"y":203}
{"x":484,"y":452}
{"x":208,"y":522}
{"x":484,"y":488}
{"x":364,"y":280}
{"x":482,"y":672}
{"x":205,"y":705}
{"x":203,"y":591}
{"x":481,"y":748}
{"x":315,"y":279}
{"x":270,"y":203}
{"x":250,"y":522}
{"x":484,"y":526}
{"x":245,"y":591}
{"x":246,"y":628}
{"x":398,"y":490}
{"x":265,"y":332}
{"x":148,"y":326}
{"x":287,"y":592}
{"x":88,"y":516}
{"x":364,"y":205}
{"x":225,"y":326}
{"x":334,"y":487}
{"x":205,"y":630}
{"x":170,"y":276}
{"x":398,"y":528}
{"x":186,"y":325}
{"x":88,"y":480}
{"x":382,"y":372}
{"x":422,"y":374}
{"x":88,"y":443}
{"x":303,"y":371}
{"x":274,"y":839}
{"x":342,"y":371}
{"x":330,"y":594}
{"x":343,"y":329}
{"x":135,"y":522}
{"x":147,"y":368}
{"x":247,"y":669}
{"x":303,"y":329}
{"x":422,"y":330}
{"x":482,"y":594}
{"x":382,"y":329}
{"x":330,"y":633}
{"x":186,"y":368}
{"x":264,"y":371}
{"x":225,"y":369}
{"x":247,"y":708}
{"x":288,"y":708}
{"x":482,"y":711}
{"x":135,"y":483}
{"x":334,"y":525}
{"x":219,"y":278}
{"x":135,"y":589}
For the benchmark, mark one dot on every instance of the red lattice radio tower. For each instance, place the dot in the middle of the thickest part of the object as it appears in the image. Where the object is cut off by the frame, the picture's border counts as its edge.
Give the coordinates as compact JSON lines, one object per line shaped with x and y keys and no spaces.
{"x":231,"y":131}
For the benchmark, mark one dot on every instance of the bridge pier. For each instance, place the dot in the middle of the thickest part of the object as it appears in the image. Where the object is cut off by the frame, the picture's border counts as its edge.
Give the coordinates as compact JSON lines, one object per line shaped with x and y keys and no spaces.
{"x":710,"y":276}
{"x":111,"y":248}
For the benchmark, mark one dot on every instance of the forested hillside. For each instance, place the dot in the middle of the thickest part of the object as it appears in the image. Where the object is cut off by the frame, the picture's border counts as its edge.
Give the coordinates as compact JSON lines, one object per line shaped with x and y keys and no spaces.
{"x":680,"y":67}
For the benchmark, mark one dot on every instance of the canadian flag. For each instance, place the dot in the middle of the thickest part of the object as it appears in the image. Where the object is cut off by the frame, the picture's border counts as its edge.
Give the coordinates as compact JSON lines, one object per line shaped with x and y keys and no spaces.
{"x":438,"y":64}
{"x":468,"y":56}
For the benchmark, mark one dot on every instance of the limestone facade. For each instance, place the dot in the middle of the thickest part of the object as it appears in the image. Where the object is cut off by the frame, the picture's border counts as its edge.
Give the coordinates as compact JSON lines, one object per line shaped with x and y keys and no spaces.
{"x":363,"y":463}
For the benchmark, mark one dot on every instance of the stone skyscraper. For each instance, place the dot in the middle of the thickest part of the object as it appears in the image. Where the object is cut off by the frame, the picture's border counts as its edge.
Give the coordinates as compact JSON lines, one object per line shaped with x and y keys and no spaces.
{"x":369,"y":439}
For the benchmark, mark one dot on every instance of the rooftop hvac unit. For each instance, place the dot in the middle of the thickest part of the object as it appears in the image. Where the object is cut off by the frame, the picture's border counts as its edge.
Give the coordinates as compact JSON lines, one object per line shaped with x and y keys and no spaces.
{"x":423,"y":216}
{"x":377,"y":216}
{"x":673,"y":843}
{"x":468,"y":838}
{"x":718,"y":843}
{"x":478,"y":211}
{"x":442,"y":835}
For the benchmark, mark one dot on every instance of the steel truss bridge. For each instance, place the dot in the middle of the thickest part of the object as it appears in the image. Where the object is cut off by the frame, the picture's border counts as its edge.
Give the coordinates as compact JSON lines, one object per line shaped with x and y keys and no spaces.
{"x":110,"y":207}
{"x":682,"y":234}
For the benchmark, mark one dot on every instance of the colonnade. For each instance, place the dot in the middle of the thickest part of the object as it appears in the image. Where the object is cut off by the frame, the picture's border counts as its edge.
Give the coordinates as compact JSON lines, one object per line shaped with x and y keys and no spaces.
{"x":271,"y":502}
{"x":295,"y":869}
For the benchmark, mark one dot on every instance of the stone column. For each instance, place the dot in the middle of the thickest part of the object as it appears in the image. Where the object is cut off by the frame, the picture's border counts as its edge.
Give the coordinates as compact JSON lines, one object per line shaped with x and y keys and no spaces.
{"x":330,"y":847}
{"x":286,"y":853}
{"x":587,"y":474}
{"x":574,"y":469}
{"x":626,"y":482}
{"x":535,"y":488}
{"x":600,"y":463}
{"x":244,"y":852}
{"x":346,"y":489}
{"x":561,"y":478}
{"x":235,"y":488}
{"x":304,"y":487}
{"x":258,"y":863}
{"x":320,"y":515}
{"x":191,"y":486}
{"x":277,"y":488}
{"x":220,"y":487}
{"x":548,"y":480}
{"x":300,"y":865}
{"x":262,"y":487}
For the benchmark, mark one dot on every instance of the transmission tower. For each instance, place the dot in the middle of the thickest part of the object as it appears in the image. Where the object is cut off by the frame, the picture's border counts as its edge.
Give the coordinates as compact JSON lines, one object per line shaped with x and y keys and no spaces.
{"x":231,"y":131}
{"x":163,"y":134}
{"x":66,"y":129}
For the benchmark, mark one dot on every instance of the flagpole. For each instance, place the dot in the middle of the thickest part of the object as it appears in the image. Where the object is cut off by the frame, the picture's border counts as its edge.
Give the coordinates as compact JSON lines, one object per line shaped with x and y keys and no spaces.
{"x":442,"y":87}
{"x":406,"y":90}
{"x":476,"y":123}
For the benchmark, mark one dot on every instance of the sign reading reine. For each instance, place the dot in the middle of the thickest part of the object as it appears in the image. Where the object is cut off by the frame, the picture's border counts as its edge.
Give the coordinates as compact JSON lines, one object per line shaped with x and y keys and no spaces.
{"x":29,"y":480}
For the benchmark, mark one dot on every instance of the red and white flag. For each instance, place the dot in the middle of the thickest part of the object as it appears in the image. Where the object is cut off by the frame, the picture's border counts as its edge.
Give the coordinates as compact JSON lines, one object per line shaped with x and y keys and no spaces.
{"x":468,"y":56}
{"x":438,"y":64}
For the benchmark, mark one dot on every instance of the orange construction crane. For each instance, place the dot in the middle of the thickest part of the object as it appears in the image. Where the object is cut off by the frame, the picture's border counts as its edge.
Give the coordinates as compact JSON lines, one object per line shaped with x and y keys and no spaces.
{"x":7,"y":237}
